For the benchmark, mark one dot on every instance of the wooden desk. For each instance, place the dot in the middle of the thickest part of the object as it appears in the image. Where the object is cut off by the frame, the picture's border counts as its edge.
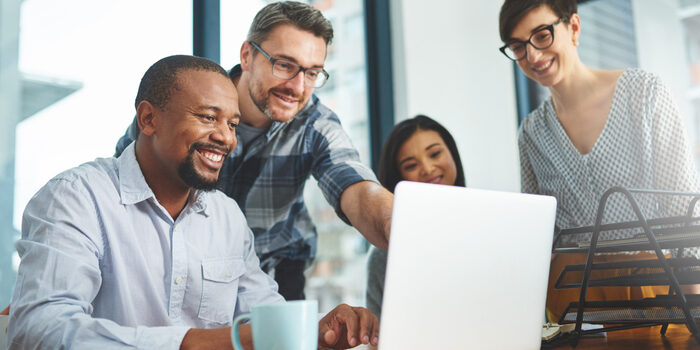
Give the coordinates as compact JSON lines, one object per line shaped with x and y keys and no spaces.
{"x":677,"y":337}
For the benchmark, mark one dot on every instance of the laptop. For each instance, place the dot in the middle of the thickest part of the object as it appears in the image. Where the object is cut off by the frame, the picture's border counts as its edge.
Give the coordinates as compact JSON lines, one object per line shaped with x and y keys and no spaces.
{"x":467,"y":269}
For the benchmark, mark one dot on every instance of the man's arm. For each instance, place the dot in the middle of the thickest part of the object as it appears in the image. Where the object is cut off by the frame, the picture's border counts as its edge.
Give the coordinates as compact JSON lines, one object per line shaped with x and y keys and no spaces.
{"x":220,"y":338}
{"x":368,"y":206}
{"x":342,"y":328}
{"x":350,"y":186}
{"x":59,"y":277}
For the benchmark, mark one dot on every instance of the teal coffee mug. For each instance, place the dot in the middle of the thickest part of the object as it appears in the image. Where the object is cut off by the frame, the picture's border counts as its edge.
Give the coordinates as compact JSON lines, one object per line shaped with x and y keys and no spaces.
{"x":284,"y":326}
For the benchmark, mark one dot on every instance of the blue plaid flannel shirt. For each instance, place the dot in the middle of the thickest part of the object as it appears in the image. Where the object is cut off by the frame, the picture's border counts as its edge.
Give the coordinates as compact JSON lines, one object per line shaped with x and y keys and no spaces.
{"x":267,"y":178}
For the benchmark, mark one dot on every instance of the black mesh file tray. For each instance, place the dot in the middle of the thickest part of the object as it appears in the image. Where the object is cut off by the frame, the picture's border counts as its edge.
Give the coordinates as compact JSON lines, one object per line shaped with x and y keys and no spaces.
{"x":684,"y":273}
{"x":633,"y":316}
{"x":658,"y":235}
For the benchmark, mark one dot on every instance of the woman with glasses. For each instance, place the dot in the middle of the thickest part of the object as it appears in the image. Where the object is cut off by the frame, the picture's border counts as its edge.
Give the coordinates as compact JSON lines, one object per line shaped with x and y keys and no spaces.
{"x":599,"y":129}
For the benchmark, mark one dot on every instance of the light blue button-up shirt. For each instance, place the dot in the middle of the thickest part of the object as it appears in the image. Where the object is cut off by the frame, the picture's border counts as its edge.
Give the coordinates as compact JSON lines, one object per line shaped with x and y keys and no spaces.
{"x":105,"y":266}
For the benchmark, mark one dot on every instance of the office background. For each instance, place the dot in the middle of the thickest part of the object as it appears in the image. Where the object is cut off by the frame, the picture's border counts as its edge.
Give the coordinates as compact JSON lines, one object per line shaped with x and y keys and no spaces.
{"x":69,"y":71}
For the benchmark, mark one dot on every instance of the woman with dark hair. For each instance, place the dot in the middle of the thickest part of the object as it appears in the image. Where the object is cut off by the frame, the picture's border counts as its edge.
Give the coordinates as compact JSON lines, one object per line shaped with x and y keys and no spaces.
{"x":420,"y":150}
{"x":599,"y":129}
{"x":390,"y":171}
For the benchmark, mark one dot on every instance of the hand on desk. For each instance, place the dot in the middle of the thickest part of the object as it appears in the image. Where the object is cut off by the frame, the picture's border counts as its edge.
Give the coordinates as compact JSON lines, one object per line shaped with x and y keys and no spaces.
{"x":345,"y":327}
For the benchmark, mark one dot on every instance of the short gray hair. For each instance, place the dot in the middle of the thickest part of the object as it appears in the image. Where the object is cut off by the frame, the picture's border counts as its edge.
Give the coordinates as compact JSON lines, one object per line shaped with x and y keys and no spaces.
{"x":298,"y":14}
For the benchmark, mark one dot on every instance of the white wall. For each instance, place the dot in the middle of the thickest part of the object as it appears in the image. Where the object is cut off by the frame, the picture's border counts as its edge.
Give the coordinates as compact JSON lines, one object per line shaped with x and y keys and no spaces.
{"x":447,"y":66}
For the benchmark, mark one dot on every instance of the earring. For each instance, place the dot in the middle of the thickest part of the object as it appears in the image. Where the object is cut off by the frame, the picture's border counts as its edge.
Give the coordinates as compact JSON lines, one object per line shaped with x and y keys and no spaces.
{"x":575,"y":41}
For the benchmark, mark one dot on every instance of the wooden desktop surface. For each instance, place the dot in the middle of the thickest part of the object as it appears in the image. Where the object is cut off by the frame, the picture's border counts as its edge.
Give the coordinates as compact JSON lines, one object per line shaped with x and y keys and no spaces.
{"x":677,"y":338}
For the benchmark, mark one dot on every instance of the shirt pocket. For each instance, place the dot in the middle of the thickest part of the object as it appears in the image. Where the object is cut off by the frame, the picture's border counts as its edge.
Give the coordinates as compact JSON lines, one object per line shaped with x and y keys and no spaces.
{"x":219,"y":288}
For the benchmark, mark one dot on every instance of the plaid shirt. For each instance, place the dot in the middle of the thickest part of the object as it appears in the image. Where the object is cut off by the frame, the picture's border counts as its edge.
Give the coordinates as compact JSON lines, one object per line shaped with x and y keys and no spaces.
{"x":267,"y":176}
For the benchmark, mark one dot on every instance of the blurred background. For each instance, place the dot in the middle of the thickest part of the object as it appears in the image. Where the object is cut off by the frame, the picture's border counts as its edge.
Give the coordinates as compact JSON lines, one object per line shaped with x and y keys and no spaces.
{"x":69,"y":71}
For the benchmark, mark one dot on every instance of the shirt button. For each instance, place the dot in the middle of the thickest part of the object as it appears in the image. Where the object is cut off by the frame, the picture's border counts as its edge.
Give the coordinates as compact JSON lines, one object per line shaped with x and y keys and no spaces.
{"x":178,"y":280}
{"x":228,"y":273}
{"x":175,"y":228}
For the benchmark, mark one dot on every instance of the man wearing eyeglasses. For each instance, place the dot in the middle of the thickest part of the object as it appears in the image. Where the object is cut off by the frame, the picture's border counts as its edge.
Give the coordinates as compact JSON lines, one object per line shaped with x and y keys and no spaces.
{"x":286,"y":134}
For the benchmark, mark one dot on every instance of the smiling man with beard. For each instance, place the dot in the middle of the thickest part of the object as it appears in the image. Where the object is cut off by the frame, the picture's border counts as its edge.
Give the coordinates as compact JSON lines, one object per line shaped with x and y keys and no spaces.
{"x":287,"y":135}
{"x":138,"y":251}
{"x":187,"y":171}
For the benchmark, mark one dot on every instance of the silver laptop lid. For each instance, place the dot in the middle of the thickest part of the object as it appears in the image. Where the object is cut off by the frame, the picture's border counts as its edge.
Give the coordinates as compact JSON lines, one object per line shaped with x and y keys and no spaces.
{"x":467,"y":269}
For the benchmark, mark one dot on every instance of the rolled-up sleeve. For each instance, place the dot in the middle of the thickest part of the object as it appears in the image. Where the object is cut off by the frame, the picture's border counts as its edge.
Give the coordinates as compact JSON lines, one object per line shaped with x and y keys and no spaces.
{"x":59,"y":276}
{"x":336,"y":163}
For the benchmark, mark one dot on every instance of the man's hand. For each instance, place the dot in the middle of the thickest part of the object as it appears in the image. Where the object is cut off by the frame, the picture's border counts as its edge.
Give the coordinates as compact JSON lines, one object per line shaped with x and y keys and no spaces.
{"x":6,"y":311}
{"x":346,"y":327}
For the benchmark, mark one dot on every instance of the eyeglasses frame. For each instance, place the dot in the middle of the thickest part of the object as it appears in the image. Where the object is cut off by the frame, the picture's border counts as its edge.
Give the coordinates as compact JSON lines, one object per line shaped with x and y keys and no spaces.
{"x":550,"y":28}
{"x":273,"y":60}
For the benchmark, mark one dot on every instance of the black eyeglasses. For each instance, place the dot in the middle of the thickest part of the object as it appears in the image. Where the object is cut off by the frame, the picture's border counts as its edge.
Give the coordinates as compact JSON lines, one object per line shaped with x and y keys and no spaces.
{"x":287,"y":70}
{"x":516,"y":50}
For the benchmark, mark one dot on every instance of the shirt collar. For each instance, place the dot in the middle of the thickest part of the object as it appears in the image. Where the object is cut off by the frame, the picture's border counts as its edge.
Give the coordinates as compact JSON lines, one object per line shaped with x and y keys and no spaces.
{"x":133,"y":187}
{"x":198,"y":200}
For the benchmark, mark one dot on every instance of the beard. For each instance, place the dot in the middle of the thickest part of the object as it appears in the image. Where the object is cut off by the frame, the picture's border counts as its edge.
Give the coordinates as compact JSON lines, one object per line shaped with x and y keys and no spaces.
{"x":262,"y":103}
{"x":191,"y":177}
{"x":261,"y":99}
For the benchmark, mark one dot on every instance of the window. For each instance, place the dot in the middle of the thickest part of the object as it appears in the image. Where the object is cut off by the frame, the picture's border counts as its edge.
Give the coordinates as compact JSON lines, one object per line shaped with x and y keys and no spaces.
{"x":80,"y":71}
